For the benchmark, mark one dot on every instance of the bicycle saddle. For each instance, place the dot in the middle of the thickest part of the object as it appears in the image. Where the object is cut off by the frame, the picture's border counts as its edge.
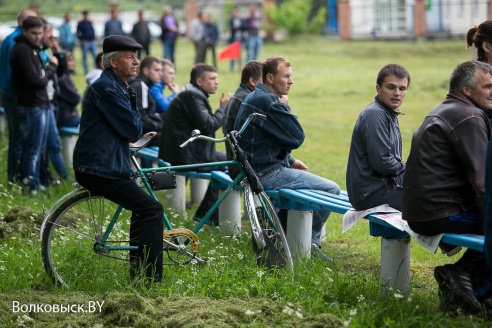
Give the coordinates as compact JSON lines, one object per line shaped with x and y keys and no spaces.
{"x":143,"y":141}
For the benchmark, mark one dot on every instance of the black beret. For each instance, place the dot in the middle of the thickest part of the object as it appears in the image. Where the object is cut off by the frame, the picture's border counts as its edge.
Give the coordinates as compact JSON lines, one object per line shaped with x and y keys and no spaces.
{"x":118,"y":43}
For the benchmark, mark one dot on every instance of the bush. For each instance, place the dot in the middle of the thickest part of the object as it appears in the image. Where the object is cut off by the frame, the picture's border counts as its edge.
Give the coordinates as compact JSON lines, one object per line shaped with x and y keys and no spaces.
{"x":293,"y":16}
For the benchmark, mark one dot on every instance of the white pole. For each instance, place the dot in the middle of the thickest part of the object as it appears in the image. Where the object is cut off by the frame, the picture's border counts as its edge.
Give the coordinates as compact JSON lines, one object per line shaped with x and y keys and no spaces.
{"x":395,"y":266}
{"x":299,"y":232}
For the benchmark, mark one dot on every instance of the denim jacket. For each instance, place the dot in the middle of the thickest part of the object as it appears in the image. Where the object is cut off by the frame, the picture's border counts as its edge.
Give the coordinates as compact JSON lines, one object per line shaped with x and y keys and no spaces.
{"x":110,"y":120}
{"x":269,"y":142}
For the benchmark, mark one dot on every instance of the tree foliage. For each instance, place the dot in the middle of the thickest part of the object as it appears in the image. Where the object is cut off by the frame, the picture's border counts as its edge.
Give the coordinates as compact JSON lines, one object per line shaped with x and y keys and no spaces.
{"x":293,"y":15}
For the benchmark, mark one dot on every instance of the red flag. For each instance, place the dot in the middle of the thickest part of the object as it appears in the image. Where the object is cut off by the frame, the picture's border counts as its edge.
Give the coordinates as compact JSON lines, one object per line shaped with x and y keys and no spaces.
{"x":233,"y":51}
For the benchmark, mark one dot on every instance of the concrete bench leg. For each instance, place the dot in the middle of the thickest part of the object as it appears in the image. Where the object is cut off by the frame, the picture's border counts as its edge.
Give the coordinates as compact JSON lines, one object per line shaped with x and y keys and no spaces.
{"x":299,"y":233}
{"x":176,"y":198}
{"x":395,"y":265}
{"x":68,"y":144}
{"x":323,"y":233}
{"x":2,"y":125}
{"x":198,"y":189}
{"x":230,"y":213}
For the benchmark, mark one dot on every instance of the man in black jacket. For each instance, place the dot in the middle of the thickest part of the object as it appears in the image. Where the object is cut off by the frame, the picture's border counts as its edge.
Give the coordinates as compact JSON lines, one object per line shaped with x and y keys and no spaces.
{"x":30,"y":77}
{"x":150,"y":73}
{"x":191,"y":110}
{"x":443,"y":189}
{"x":250,"y":74}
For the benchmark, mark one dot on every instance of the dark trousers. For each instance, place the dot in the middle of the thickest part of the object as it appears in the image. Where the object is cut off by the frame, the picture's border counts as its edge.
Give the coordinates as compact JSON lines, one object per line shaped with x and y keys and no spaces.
{"x":146,"y":226}
{"x":211,"y":195}
{"x":464,"y":223}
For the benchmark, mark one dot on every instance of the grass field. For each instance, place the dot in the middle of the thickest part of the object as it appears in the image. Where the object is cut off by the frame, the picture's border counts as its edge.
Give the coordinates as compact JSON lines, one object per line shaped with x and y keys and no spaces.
{"x":333,"y":82}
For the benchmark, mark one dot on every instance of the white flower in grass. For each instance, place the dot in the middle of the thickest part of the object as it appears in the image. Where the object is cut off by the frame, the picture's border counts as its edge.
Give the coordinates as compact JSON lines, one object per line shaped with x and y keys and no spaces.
{"x":398,"y":295}
{"x":353,"y":312}
{"x":346,"y":323}
{"x":360,"y":298}
{"x":211,"y":252}
{"x":179,"y":282}
{"x":260,"y":273}
{"x":240,"y":255}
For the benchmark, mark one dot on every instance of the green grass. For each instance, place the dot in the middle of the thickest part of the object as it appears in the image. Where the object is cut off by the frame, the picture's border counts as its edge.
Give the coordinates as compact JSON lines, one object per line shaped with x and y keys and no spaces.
{"x":333,"y":82}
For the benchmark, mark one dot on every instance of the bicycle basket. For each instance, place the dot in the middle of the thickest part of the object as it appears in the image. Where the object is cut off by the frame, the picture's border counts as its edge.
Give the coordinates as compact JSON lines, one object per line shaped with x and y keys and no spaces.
{"x":162,"y":180}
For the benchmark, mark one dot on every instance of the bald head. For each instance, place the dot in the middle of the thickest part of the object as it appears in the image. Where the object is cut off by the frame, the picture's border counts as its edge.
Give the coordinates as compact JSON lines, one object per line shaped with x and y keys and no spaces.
{"x":23,"y":14}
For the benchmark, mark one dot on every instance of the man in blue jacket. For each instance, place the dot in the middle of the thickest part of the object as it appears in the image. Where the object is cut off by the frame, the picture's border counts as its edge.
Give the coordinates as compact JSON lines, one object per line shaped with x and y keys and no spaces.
{"x":9,"y":97}
{"x":101,"y":160}
{"x":269,"y":142}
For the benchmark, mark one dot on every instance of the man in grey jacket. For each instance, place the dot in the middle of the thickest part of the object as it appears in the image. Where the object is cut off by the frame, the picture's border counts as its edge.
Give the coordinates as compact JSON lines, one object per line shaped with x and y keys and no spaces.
{"x":375,"y":168}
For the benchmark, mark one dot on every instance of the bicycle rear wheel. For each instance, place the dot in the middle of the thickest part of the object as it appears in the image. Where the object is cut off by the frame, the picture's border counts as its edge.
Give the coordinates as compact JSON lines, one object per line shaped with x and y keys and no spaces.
{"x":72,"y":248}
{"x":268,"y":237}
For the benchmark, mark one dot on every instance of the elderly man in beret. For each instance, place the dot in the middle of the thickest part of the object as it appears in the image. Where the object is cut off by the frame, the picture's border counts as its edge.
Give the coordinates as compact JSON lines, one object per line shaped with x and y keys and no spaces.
{"x":110,"y":121}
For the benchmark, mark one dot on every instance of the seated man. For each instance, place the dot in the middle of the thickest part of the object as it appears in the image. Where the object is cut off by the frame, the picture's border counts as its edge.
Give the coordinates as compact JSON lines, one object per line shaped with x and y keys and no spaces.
{"x":101,"y":158}
{"x":150,"y":73}
{"x":375,"y":168}
{"x":167,"y":80}
{"x":188,"y":111}
{"x":268,"y":143}
{"x":250,"y":74}
{"x":443,"y":189}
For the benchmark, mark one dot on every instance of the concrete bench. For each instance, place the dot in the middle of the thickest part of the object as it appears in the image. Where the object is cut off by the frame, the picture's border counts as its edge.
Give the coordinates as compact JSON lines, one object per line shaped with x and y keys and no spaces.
{"x":395,"y":244}
{"x":67,"y":136}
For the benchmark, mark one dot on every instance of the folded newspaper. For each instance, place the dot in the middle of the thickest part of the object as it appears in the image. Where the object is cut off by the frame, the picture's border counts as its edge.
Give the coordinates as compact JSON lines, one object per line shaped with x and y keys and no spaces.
{"x":392,"y":217}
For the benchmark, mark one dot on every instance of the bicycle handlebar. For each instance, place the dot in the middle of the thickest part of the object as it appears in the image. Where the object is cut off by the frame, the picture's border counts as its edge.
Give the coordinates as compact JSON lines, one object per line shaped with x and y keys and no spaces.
{"x":195,"y":134}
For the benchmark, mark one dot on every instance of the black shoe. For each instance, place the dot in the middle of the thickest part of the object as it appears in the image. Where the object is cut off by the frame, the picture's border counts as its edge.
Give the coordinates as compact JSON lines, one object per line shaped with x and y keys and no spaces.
{"x":449,"y":249}
{"x":456,"y":289}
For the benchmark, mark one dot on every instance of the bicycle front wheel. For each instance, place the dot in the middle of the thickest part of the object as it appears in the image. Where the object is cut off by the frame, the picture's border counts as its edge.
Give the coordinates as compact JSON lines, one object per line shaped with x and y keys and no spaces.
{"x":268,"y":236}
{"x":74,"y":250}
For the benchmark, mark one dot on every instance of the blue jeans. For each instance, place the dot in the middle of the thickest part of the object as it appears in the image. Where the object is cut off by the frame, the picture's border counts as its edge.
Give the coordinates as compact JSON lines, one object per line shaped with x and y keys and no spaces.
{"x":15,"y":146}
{"x":89,"y":46}
{"x":52,"y":148}
{"x":297,"y":179}
{"x":253,"y":45}
{"x":169,"y":46}
{"x":33,"y":131}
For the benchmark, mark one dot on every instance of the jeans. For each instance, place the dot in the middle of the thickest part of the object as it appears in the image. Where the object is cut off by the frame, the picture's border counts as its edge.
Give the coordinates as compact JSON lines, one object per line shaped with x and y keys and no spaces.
{"x":15,"y":145}
{"x":52,"y":151}
{"x":297,"y":179}
{"x":169,"y":46}
{"x":33,"y":133}
{"x":253,"y":45}
{"x":88,"y":46}
{"x":146,"y":225}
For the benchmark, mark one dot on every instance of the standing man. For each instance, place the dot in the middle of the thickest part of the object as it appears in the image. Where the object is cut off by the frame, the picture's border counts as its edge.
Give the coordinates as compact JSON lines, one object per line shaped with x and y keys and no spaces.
{"x":113,"y":25}
{"x":101,"y":159}
{"x":87,"y":40}
{"x":211,"y":35}
{"x":269,"y":142}
{"x":188,"y":111}
{"x":30,"y":76}
{"x":375,"y":168}
{"x":443,"y":190}
{"x":157,"y":90}
{"x":197,"y":37}
{"x":252,"y":25}
{"x":170,"y":31}
{"x":250,"y":74}
{"x":67,"y":38}
{"x":141,"y":34}
{"x":9,"y":98}
{"x":236,"y":30}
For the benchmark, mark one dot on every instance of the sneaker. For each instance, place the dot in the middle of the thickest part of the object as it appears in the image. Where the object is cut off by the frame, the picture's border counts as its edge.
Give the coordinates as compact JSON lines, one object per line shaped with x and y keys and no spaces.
{"x":449,"y":249}
{"x":456,"y":289}
{"x":317,"y":253}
